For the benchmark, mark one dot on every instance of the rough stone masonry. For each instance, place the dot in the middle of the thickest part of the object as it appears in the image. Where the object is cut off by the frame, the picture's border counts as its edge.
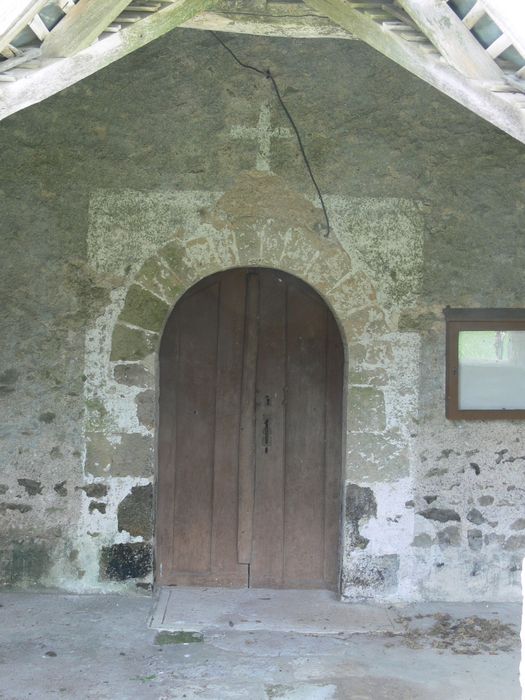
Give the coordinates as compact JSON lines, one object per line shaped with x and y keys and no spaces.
{"x":121,"y":192}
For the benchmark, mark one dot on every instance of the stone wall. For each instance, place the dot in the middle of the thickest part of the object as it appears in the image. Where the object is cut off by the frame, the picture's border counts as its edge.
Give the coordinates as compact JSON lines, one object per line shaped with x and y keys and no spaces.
{"x":130,"y":186}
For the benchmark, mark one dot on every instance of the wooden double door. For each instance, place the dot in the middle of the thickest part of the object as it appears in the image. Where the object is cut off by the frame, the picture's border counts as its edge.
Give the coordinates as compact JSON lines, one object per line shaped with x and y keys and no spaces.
{"x":249,"y":482}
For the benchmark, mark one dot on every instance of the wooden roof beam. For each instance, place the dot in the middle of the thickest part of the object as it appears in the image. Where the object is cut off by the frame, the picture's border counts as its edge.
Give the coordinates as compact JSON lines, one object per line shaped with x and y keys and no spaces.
{"x":452,"y":38}
{"x":279,"y":19}
{"x":59,"y":73}
{"x":14,"y":16}
{"x":475,"y":95}
{"x":82,"y":25}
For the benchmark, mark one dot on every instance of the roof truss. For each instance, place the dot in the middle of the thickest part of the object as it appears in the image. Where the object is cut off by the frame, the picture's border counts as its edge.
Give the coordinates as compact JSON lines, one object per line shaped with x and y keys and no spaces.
{"x":427,"y":37}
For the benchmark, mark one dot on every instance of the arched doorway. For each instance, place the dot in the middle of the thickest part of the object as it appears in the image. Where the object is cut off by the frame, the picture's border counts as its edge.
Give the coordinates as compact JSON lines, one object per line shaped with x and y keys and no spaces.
{"x":250,"y":435}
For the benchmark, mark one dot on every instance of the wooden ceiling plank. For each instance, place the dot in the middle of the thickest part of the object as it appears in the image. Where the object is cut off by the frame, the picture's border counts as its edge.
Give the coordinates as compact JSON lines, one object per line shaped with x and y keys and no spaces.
{"x":9,"y":51}
{"x":473,"y":16}
{"x":57,"y":74}
{"x":468,"y":92}
{"x":82,"y":25}
{"x":450,"y":36}
{"x":499,"y":45}
{"x":38,"y":27}
{"x":28,"y":55}
{"x":509,"y":16}
{"x":15,"y":16}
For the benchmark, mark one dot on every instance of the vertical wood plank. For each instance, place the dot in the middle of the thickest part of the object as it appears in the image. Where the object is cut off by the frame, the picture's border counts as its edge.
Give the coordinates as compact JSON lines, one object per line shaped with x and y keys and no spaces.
{"x":305,"y":438}
{"x":268,"y":517}
{"x":227,"y":419}
{"x":250,"y":435}
{"x":247,"y":421}
{"x":334,"y":453}
{"x":196,"y":368}
{"x":166,"y":455}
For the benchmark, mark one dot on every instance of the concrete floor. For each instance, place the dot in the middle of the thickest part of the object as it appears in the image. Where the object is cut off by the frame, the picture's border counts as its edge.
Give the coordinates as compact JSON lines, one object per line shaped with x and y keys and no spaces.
{"x":95,"y":646}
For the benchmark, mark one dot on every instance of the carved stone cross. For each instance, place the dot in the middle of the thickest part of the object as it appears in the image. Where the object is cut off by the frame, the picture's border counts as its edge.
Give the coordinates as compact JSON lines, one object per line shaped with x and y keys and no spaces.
{"x":263,"y":134}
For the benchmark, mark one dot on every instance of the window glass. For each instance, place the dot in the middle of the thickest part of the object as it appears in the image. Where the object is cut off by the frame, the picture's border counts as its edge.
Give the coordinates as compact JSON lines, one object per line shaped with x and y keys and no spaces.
{"x":491,"y":370}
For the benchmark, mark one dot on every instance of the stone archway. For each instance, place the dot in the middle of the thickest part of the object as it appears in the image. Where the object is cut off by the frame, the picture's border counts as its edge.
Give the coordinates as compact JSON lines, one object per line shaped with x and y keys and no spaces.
{"x":259,"y":222}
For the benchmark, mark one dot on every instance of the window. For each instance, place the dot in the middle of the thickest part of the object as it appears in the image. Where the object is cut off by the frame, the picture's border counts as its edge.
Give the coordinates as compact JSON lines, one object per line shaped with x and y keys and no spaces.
{"x":485,"y":363}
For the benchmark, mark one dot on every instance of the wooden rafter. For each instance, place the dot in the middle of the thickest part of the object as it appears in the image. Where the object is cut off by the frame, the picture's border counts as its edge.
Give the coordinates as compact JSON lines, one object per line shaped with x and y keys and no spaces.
{"x":14,"y":16}
{"x":410,"y":49}
{"x":426,"y":37}
{"x":59,"y":73}
{"x":453,"y":40}
{"x":81,"y":26}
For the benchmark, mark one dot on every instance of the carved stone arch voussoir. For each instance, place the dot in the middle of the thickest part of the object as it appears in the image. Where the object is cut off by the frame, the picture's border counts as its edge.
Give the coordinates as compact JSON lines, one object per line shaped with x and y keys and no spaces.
{"x":260,"y":222}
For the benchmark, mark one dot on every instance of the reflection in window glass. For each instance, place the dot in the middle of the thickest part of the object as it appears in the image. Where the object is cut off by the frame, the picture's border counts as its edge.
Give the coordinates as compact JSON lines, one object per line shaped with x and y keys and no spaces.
{"x":491,"y":370}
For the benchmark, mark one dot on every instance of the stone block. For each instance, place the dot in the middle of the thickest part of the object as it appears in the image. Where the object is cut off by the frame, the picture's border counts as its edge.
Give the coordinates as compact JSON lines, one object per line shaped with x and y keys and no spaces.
{"x":131,"y":343}
{"x":157,"y":277}
{"x":474,"y":516}
{"x":380,"y":352}
{"x":203,"y":257}
{"x":173,"y":254}
{"x":417,"y":320}
{"x":487,"y":501}
{"x":371,"y":377}
{"x":365,"y":576}
{"x":366,"y":409}
{"x":133,"y":375}
{"x":352,"y":292}
{"x":360,"y":505}
{"x":475,"y":540}
{"x":249,"y":246}
{"x":440,"y":515}
{"x":331,"y":265}
{"x":422,"y":540}
{"x":31,"y":487}
{"x":515,"y":542}
{"x":297,"y":250}
{"x":135,"y":512}
{"x":144,"y":309}
{"x":146,"y":408}
{"x":15,"y":507}
{"x":449,"y":537}
{"x":119,"y":562}
{"x":94,"y":490}
{"x":25,"y":562}
{"x":132,"y":456}
{"x":373,"y":457}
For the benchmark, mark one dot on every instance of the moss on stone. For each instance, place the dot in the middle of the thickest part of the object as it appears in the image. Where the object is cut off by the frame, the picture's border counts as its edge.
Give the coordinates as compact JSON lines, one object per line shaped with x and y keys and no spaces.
{"x":135,"y":512}
{"x":144,"y":309}
{"x":120,"y":562}
{"x":157,"y":277}
{"x":181,"y":637}
{"x":131,"y":344}
{"x":25,"y":562}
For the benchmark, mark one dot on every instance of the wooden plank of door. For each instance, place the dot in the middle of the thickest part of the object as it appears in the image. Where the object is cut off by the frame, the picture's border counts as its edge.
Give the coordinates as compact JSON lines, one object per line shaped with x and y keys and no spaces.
{"x":266,"y":568}
{"x":334,"y":449}
{"x":166,"y":474}
{"x":224,"y":562}
{"x":247,"y":420}
{"x":305,"y":438}
{"x":195,"y":382}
